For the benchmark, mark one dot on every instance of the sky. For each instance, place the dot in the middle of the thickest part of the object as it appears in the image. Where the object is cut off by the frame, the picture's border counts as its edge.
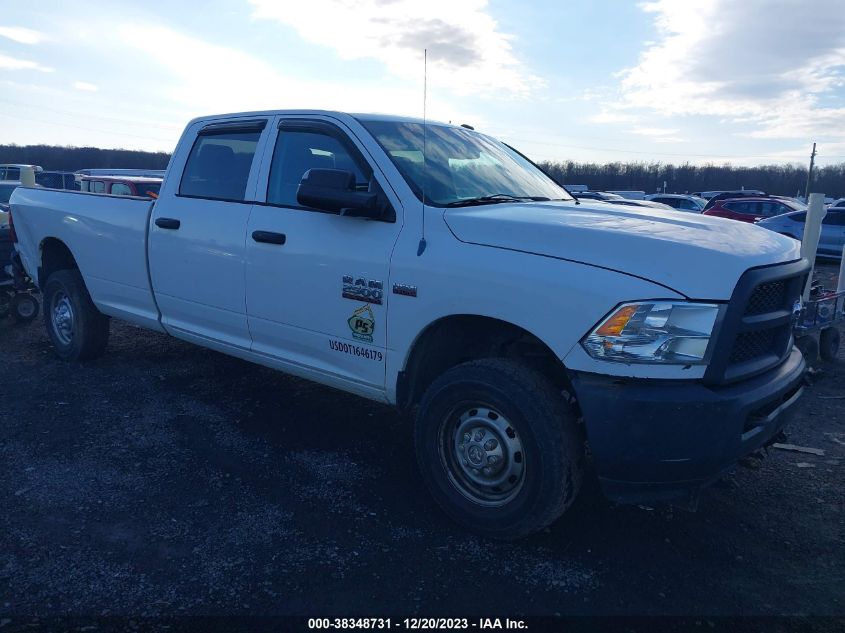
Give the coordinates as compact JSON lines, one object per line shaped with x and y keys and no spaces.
{"x":750,"y":82}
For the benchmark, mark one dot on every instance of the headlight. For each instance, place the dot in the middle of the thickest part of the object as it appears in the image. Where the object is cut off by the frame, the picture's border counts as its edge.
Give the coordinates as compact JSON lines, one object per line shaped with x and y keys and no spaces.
{"x":654,"y":332}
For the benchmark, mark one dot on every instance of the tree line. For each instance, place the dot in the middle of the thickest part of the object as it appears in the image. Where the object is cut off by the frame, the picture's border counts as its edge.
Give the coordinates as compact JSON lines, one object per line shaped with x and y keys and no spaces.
{"x":55,"y":157}
{"x":786,"y":180}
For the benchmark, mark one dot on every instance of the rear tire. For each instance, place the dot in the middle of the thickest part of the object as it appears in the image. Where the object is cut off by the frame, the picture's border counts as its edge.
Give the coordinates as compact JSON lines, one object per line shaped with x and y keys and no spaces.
{"x":24,"y":308}
{"x":76,"y":328}
{"x":829,"y":344}
{"x":510,"y":422}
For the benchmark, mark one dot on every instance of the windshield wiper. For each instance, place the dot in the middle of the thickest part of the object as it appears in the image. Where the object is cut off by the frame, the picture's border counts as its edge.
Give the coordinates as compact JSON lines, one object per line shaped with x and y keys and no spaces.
{"x":493,"y":199}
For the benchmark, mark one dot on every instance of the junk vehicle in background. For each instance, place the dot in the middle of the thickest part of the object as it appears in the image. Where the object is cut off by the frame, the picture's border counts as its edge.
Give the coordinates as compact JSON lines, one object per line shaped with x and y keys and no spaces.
{"x":518,"y":325}
{"x":139,"y":186}
{"x":16,"y":289}
{"x":753,"y":209}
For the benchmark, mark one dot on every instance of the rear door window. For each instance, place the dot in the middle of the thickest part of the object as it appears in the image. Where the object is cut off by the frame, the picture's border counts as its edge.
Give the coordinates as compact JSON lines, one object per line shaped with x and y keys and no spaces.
{"x":739,"y":207}
{"x":96,"y":186}
{"x":121,"y":189}
{"x":220,"y":161}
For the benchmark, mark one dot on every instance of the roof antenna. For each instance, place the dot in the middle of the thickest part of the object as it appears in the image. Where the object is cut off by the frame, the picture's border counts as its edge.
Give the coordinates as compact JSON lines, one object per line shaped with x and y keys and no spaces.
{"x":421,"y":247}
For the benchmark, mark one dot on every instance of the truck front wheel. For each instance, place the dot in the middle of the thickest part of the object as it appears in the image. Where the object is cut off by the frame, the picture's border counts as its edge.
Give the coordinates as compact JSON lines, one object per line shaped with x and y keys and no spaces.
{"x":498,"y":448}
{"x":76,"y":328}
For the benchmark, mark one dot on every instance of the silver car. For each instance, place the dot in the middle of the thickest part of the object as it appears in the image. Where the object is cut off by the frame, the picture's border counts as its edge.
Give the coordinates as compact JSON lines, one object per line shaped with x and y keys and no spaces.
{"x":833,"y":229}
{"x":679,"y":201}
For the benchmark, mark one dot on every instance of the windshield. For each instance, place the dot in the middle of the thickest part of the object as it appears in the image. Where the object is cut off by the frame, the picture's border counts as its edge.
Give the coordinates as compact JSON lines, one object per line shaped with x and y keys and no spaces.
{"x":6,"y":192}
{"x":461,"y":165}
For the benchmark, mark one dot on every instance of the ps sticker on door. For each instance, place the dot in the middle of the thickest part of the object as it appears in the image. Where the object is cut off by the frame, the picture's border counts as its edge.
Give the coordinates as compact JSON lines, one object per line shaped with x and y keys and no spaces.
{"x":362,"y":323}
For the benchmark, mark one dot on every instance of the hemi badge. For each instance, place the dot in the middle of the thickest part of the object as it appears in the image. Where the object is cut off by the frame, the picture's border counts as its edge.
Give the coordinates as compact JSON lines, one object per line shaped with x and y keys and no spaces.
{"x":405,"y":290}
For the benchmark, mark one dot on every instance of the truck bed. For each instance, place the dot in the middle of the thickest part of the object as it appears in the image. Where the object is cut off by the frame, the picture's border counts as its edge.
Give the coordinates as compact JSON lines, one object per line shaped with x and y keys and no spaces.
{"x":108,"y":238}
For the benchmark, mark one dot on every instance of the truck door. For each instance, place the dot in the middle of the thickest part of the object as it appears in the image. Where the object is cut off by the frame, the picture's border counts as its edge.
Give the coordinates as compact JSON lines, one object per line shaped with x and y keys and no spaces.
{"x":197,"y":234}
{"x":317,"y":295}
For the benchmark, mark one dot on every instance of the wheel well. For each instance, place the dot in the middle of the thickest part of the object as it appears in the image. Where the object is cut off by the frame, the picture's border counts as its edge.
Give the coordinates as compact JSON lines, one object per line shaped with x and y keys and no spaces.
{"x":457,"y":339}
{"x":55,"y":255}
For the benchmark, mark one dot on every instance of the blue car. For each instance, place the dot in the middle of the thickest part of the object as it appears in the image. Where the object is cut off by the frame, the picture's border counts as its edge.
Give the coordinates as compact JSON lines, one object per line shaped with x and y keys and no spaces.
{"x":833,"y":229}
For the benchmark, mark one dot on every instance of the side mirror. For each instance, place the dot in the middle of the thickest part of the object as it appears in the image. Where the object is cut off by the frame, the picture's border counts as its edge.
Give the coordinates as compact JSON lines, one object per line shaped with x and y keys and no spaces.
{"x":334,"y":190}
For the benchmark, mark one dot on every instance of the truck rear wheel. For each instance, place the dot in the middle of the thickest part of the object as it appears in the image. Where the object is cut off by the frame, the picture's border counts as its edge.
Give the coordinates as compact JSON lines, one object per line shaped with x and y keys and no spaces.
{"x":498,"y":449}
{"x":76,"y":328}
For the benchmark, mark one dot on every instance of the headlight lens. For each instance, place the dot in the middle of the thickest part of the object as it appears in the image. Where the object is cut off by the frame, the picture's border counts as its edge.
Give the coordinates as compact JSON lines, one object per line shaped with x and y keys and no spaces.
{"x":654,"y":332}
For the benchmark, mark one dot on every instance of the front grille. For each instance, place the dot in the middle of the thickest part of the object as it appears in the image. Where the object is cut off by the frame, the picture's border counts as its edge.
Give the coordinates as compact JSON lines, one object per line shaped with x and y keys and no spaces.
{"x":751,"y":345}
{"x":767,"y":297}
{"x":756,"y":331}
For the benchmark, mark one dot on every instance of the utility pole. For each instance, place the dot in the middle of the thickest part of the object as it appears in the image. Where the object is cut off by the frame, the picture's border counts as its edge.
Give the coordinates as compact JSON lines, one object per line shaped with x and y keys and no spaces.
{"x":810,"y":173}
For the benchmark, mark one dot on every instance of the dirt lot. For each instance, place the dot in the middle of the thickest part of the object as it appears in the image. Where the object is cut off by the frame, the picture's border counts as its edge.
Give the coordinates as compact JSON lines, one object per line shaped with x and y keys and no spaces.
{"x":167,"y":479}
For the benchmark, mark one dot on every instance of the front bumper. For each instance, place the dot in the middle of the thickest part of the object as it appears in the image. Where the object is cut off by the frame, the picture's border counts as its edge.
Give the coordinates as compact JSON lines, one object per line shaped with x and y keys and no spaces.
{"x":662,"y":439}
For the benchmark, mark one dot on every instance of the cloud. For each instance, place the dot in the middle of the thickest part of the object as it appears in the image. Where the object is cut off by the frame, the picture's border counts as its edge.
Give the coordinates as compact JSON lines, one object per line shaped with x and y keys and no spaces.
{"x":654,"y":131}
{"x":767,"y":65}
{"x":466,"y":50}
{"x":22,"y":35}
{"x":612,"y":116}
{"x":203,"y":76}
{"x":12,"y":63}
{"x":84,"y":86}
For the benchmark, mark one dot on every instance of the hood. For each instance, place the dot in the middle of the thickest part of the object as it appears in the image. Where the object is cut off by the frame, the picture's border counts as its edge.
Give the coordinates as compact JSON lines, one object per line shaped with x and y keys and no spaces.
{"x":699,"y":256}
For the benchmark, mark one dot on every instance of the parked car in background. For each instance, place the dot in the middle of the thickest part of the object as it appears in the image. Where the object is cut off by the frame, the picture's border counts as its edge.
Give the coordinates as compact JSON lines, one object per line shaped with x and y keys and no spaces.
{"x":837,"y":204}
{"x":57,"y":180}
{"x":754,"y":209}
{"x":6,"y":189}
{"x":122,"y":186}
{"x":718,"y":196}
{"x":615,"y":198}
{"x":630,"y":195}
{"x":832,"y":237}
{"x":573,"y":189}
{"x":24,"y":174}
{"x":604,"y":196}
{"x":679,"y":201}
{"x":139,"y":173}
{"x":643,"y":203}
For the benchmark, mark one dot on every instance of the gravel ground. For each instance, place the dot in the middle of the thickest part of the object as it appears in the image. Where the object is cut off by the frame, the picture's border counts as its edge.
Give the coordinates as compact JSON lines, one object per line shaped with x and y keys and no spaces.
{"x":165,"y":479}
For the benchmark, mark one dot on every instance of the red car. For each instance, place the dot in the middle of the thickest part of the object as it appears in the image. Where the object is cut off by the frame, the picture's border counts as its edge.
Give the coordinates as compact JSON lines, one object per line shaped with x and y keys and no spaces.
{"x":122,"y":185}
{"x":753,"y":209}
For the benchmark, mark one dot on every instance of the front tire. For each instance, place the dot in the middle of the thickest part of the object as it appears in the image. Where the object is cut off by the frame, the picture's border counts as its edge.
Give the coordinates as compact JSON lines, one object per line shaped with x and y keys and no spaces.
{"x":498,"y":448}
{"x":76,"y":328}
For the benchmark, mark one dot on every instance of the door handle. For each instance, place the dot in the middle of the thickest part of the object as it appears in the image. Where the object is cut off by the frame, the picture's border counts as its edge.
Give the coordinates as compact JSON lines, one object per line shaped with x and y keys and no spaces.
{"x":168,"y":223}
{"x":269,"y":237}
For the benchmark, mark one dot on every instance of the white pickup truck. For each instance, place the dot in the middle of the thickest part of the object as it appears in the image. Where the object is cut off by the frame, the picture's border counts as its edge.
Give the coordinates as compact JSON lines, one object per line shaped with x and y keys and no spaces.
{"x":434,"y":268}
